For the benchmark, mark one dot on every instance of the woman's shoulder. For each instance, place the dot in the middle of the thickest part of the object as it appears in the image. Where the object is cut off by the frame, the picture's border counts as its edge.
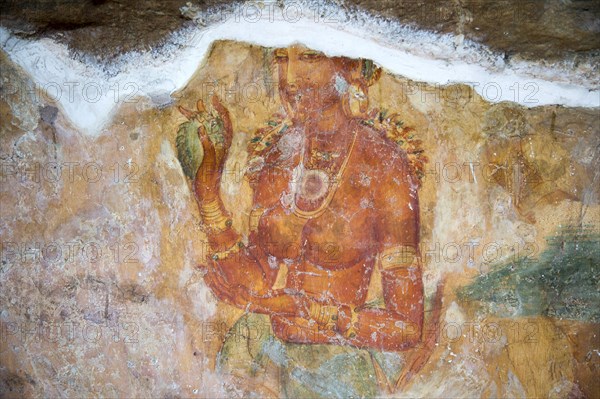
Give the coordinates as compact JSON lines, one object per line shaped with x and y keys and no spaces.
{"x":394,"y":146}
{"x":378,"y":150}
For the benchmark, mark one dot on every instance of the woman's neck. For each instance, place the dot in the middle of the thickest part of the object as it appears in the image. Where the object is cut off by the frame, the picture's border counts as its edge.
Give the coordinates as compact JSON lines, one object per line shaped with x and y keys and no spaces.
{"x":328,"y":119}
{"x":328,"y":138}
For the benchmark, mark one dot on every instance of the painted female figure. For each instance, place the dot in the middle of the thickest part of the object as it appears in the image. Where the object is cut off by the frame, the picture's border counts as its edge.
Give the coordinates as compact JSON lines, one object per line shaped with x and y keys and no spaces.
{"x":333,"y":199}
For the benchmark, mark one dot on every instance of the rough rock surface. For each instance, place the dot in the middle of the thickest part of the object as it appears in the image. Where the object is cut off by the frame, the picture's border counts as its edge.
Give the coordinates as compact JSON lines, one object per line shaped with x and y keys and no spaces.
{"x":529,"y":29}
{"x":101,"y":235}
{"x":99,"y":291}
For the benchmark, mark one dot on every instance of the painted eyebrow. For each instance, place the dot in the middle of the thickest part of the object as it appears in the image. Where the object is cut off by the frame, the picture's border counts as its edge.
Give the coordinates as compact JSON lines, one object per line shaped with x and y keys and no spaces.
{"x":312,"y":53}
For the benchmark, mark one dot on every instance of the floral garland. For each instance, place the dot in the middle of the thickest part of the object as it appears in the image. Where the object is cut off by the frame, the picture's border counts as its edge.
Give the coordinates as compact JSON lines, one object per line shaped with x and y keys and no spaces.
{"x":394,"y":128}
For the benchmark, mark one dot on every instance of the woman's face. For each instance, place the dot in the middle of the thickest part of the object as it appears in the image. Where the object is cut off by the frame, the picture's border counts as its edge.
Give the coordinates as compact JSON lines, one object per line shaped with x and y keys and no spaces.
{"x":308,"y":80}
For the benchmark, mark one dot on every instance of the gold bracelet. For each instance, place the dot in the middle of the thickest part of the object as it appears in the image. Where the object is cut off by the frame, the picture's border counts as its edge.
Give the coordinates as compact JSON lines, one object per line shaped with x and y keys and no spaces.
{"x":324,"y":315}
{"x":401,"y":256}
{"x":235,"y":248}
{"x":353,"y":329}
{"x":213,"y":217}
{"x":211,"y":210}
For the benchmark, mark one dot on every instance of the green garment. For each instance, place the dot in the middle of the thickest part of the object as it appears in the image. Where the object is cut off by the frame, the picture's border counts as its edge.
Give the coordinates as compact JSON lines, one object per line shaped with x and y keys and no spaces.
{"x":305,"y":370}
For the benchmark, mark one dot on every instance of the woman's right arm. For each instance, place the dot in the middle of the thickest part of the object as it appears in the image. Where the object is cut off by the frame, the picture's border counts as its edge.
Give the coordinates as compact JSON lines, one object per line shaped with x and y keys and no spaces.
{"x":227,"y":252}
{"x":237,"y":274}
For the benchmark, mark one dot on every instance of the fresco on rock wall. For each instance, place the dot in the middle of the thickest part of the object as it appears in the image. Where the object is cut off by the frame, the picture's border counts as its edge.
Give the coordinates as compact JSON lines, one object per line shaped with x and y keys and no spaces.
{"x":323,"y":218}
{"x":289,"y":224}
{"x":334,"y":196}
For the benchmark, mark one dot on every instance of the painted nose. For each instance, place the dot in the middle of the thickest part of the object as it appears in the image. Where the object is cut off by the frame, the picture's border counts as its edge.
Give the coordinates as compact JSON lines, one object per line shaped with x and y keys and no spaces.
{"x":292,"y":77}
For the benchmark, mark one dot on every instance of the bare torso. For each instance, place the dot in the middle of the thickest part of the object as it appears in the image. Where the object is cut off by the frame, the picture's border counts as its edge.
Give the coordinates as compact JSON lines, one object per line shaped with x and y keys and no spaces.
{"x":329,"y":257}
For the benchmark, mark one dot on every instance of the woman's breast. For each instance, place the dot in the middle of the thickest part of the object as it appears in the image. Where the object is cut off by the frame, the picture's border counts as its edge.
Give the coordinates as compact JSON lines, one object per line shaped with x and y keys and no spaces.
{"x":280,"y":233}
{"x":332,"y":240}
{"x":338,"y":239}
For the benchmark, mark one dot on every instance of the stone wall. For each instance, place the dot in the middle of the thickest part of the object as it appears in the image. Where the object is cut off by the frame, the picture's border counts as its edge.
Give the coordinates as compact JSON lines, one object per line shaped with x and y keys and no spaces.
{"x":101,"y":234}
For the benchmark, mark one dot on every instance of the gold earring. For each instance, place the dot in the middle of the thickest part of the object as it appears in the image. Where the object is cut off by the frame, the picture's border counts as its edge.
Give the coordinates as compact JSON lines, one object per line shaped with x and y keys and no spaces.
{"x":356,"y":101}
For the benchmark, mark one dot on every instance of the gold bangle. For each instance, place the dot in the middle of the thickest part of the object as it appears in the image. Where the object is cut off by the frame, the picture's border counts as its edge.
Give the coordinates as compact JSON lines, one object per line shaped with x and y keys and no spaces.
{"x":324,"y":315}
{"x":211,"y":210}
{"x":353,"y":329}
{"x":213,"y":217}
{"x":211,"y":206}
{"x":401,"y":256}
{"x":220,"y":226}
{"x":235,"y":248}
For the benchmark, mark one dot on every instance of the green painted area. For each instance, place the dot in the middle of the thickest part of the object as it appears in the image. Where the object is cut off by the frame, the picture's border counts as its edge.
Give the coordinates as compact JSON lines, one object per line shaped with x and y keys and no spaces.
{"x":250,"y":349}
{"x":189,"y":149}
{"x":562,"y":282}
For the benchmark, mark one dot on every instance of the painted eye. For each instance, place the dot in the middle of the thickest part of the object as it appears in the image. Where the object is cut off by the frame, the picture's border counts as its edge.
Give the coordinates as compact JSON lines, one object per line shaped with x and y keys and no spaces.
{"x":280,"y":55}
{"x":311,"y":55}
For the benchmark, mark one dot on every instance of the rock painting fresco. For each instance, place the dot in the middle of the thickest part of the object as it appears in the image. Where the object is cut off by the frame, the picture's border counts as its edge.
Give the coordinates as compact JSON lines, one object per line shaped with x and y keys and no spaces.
{"x":328,"y":263}
{"x":283,"y":222}
{"x":335,"y":195}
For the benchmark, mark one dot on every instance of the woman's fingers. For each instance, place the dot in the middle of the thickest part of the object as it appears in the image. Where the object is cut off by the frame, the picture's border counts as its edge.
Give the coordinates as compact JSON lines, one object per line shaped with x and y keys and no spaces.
{"x":224,"y":113}
{"x":217,"y":275}
{"x":303,"y":306}
{"x":237,"y":295}
{"x":207,"y":145}
{"x":214,"y":155}
{"x":244,"y":294}
{"x":186,"y":112}
{"x":207,"y":177}
{"x":214,"y":287}
{"x":200,"y":106}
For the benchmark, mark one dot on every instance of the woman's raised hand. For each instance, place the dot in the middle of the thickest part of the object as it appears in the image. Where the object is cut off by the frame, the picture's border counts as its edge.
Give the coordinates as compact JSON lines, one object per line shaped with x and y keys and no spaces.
{"x":215,"y":133}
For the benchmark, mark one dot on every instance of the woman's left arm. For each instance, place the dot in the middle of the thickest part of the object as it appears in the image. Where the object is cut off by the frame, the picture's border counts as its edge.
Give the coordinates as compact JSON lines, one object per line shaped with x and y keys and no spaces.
{"x":398,"y":326}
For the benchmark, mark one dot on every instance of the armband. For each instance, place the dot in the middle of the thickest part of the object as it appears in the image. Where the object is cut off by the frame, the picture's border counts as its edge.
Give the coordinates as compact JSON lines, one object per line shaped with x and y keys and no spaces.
{"x":235,"y":248}
{"x":324,"y":315}
{"x":399,"y":257}
{"x":213,"y":217}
